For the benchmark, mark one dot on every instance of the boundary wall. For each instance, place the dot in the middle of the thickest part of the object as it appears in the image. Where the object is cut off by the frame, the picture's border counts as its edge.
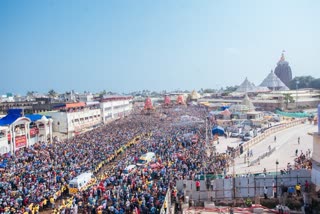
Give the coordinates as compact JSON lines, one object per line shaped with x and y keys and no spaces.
{"x":241,"y":187}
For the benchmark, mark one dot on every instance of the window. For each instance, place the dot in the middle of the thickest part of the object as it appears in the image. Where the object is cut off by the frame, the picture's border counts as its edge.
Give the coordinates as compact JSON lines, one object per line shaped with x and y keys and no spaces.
{"x":2,"y":134}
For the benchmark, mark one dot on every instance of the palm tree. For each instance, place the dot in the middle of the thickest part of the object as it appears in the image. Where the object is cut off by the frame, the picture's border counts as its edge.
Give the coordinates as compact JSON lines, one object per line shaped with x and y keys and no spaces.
{"x":31,"y":93}
{"x":52,"y":93}
{"x":288,"y":99}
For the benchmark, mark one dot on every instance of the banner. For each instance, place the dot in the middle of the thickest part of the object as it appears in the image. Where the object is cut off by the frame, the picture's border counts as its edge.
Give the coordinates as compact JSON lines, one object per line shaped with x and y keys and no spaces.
{"x":34,"y":131}
{"x":21,"y":141}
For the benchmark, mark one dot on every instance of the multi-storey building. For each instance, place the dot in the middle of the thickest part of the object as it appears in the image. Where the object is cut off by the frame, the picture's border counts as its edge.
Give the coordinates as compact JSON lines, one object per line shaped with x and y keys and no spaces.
{"x":74,"y":118}
{"x":115,"y":107}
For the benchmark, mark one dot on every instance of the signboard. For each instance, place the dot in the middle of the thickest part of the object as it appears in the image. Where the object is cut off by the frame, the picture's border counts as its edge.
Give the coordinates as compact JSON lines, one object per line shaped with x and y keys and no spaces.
{"x":34,"y":131}
{"x":21,"y":141}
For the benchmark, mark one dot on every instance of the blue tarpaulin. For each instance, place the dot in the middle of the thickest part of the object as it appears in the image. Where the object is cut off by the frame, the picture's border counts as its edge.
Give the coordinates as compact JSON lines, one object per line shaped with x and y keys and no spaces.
{"x":14,"y":114}
{"x":217,"y":130}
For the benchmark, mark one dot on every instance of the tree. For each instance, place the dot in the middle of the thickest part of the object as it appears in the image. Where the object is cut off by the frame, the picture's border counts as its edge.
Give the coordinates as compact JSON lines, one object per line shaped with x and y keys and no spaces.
{"x":230,"y":89}
{"x":288,"y":99}
{"x":208,"y":90}
{"x":304,"y":82}
{"x":315,"y":83}
{"x":102,"y":93}
{"x":52,"y":93}
{"x":31,"y":93}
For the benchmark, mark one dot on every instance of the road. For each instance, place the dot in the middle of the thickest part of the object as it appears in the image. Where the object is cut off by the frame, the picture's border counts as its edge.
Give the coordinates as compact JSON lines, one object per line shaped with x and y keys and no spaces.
{"x":285,"y":146}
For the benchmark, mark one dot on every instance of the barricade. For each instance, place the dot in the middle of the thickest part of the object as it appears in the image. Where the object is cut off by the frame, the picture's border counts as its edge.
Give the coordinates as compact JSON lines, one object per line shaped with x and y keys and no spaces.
{"x":257,"y":160}
{"x":135,"y":140}
{"x":168,"y":202}
{"x":271,"y":131}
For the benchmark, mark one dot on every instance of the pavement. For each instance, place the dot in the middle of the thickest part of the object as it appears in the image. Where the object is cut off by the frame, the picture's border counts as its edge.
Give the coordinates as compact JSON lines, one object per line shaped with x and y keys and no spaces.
{"x":285,"y":147}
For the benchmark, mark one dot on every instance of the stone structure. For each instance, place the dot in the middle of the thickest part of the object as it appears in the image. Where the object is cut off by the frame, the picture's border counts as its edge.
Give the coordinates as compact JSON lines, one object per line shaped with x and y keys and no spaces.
{"x":283,"y":71}
{"x":273,"y":82}
{"x":194,"y":96}
{"x":246,"y":86}
{"x":247,"y":102}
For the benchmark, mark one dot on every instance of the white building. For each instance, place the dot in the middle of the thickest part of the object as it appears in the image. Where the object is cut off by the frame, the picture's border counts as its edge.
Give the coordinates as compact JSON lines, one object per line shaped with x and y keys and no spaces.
{"x":18,"y":130}
{"x":86,"y":97}
{"x":73,"y":118}
{"x":115,"y":107}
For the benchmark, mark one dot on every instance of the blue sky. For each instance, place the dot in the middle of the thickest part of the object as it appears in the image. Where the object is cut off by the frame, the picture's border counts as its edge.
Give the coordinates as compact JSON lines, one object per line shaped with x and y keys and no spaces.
{"x":133,"y":45}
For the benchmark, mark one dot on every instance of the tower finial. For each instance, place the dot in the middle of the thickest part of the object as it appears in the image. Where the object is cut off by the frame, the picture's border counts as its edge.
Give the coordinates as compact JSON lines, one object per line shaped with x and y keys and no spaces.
{"x":282,"y":56}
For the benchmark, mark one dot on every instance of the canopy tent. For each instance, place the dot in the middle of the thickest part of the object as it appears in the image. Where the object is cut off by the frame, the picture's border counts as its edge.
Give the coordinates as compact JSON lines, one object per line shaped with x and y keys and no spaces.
{"x":224,"y":107}
{"x":293,"y":114}
{"x":14,"y":114}
{"x":9,"y":119}
{"x":35,"y":117}
{"x":217,"y":130}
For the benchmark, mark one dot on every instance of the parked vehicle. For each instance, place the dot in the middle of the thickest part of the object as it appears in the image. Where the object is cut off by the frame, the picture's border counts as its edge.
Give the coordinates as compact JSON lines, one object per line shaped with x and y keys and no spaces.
{"x":246,"y":137}
{"x":129,"y":170}
{"x":146,"y":158}
{"x":234,"y":134}
{"x":80,"y":182}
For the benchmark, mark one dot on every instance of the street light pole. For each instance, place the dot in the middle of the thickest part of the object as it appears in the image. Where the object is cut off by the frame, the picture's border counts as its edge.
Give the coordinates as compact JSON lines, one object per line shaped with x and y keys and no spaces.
{"x":276,"y":194}
{"x":297,"y":83}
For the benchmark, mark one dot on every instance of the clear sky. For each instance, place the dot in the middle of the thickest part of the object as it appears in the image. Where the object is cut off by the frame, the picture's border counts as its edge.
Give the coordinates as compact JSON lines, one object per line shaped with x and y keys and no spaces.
{"x":133,"y":45}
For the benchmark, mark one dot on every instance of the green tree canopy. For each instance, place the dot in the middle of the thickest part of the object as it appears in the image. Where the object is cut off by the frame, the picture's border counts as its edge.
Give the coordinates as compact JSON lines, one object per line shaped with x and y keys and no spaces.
{"x":208,"y":90}
{"x":230,"y":89}
{"x":52,"y":93}
{"x":288,"y":99}
{"x":303,"y":82}
{"x":315,"y":83}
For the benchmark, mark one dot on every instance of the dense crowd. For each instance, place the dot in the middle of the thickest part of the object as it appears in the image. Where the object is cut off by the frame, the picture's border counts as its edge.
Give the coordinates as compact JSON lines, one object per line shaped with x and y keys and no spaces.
{"x":36,"y":177}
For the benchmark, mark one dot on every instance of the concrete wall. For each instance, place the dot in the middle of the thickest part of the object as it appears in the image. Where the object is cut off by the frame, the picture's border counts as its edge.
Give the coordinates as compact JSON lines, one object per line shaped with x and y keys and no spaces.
{"x":316,"y":147}
{"x":4,"y":146}
{"x":241,"y":187}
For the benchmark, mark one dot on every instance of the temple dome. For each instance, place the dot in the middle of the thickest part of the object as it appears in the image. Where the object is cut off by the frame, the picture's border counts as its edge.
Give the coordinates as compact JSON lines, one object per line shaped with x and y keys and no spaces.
{"x":273,"y":82}
{"x":194,"y":95}
{"x":246,"y":86}
{"x":247,"y":102}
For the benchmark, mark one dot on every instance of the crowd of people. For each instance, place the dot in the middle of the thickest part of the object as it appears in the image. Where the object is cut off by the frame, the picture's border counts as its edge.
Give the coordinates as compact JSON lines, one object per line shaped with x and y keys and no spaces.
{"x":303,"y":160}
{"x":36,"y":177}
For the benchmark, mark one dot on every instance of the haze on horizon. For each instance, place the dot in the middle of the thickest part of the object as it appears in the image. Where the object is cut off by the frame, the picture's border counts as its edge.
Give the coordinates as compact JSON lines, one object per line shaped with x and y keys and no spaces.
{"x":128,"y":45}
